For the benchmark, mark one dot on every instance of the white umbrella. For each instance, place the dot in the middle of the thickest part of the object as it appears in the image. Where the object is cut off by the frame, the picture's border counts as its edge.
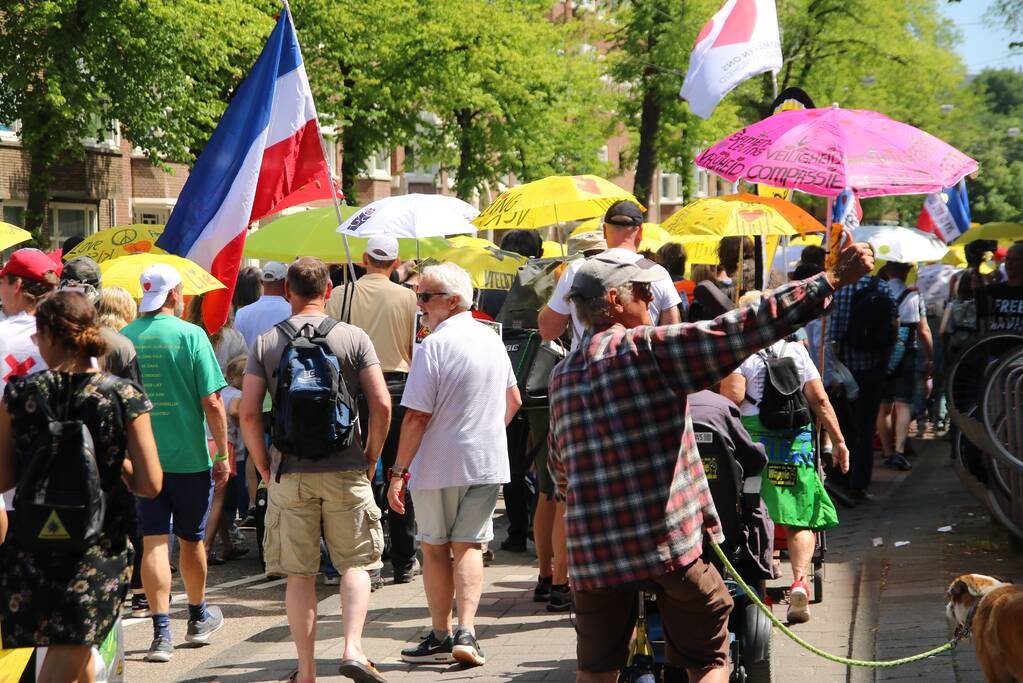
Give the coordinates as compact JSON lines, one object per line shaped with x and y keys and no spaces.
{"x":412,"y":215}
{"x":903,"y":245}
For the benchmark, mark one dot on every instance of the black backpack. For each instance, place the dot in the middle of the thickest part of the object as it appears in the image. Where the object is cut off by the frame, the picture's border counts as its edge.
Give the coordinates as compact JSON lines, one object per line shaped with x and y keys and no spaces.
{"x":533,"y":362}
{"x":873,"y":320}
{"x":314,"y":413}
{"x":783,"y":405}
{"x":59,"y":503}
{"x":532,"y":288}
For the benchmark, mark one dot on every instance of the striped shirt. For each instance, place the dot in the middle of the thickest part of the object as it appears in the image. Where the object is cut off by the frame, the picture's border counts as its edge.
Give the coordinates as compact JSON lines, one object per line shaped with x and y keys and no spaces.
{"x":622,"y":446}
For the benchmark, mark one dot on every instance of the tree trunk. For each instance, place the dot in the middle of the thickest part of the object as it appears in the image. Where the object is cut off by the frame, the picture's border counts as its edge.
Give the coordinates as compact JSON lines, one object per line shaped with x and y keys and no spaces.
{"x":349,"y":169}
{"x":464,"y":181}
{"x":39,"y":178}
{"x":646,"y":159}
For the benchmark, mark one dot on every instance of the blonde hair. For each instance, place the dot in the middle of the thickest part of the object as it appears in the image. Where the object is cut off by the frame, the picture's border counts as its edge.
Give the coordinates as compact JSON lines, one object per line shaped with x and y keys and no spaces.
{"x":116,"y":307}
{"x":236,"y":367}
{"x":751,"y":298}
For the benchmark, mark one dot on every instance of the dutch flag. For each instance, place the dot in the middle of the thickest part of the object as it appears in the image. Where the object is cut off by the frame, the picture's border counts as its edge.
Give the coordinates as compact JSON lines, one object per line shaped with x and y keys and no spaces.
{"x":265,"y":148}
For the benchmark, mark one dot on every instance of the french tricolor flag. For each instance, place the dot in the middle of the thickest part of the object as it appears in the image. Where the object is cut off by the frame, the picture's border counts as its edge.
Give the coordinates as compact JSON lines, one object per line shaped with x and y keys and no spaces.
{"x":265,"y":148}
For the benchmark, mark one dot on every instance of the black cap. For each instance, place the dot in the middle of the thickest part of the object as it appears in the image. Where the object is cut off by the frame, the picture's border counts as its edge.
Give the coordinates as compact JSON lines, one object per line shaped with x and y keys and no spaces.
{"x":625,"y":214}
{"x":81,"y":270}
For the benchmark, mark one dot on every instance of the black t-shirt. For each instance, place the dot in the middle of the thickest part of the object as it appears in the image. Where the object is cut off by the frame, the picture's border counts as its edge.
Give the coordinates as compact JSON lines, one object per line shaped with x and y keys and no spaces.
{"x":1000,"y":308}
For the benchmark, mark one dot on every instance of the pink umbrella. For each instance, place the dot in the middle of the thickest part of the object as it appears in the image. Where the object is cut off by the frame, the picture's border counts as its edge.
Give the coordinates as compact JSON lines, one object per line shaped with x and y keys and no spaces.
{"x":824,"y":151}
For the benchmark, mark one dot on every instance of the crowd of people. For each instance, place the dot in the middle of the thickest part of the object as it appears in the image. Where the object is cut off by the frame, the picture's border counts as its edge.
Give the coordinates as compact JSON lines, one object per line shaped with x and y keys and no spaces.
{"x":132,"y":438}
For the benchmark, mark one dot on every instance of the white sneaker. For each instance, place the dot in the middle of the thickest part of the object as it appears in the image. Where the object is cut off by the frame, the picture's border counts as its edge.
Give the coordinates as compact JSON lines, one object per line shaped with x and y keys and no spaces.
{"x":799,"y":603}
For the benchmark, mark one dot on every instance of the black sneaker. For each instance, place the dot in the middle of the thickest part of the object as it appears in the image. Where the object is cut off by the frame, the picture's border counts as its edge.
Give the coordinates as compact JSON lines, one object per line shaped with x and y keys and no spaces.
{"x":200,"y":631}
{"x":543,"y":589}
{"x":467,"y":650}
{"x":160,"y":650}
{"x":430,"y":651}
{"x":140,"y":606}
{"x":407,"y":575}
{"x":898,"y":461}
{"x":560,"y":599}
{"x":514,"y":544}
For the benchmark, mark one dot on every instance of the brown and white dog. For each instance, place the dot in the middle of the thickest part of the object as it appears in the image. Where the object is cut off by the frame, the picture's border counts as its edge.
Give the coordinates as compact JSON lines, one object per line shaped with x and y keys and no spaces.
{"x":992,"y":611}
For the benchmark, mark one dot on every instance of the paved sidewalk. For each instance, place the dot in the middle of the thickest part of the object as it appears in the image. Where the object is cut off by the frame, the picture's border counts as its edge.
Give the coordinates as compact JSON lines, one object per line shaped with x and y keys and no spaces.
{"x":880,"y":602}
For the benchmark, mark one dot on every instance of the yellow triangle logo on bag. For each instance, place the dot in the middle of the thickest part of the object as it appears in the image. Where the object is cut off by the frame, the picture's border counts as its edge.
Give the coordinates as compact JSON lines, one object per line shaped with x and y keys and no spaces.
{"x":54,"y":529}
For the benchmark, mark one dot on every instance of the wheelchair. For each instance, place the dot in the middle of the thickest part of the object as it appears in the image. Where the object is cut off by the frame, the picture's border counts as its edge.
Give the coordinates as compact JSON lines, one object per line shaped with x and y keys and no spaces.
{"x":735,"y":497}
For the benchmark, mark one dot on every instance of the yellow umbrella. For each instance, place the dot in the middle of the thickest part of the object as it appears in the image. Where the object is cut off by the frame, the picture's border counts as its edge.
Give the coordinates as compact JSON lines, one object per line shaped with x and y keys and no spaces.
{"x":652,"y":231}
{"x":741,"y":215}
{"x":314,"y":233}
{"x":489,"y":267}
{"x":11,"y":235}
{"x":125,"y":272}
{"x":1004,"y":233}
{"x":555,"y":199}
{"x":469,"y":241}
{"x":552,"y":249}
{"x":120,"y":240}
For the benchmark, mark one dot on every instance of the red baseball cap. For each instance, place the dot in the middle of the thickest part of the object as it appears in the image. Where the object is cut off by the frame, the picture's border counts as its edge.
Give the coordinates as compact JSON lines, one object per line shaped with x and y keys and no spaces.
{"x":30,"y":264}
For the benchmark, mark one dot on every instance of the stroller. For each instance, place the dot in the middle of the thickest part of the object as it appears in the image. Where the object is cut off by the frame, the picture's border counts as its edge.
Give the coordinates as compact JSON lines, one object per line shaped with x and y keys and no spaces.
{"x":736,"y":498}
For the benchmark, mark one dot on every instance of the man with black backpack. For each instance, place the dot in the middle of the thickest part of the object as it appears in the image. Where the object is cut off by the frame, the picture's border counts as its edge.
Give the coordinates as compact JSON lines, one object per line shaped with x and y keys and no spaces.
{"x":864,"y":326}
{"x":319,"y":477}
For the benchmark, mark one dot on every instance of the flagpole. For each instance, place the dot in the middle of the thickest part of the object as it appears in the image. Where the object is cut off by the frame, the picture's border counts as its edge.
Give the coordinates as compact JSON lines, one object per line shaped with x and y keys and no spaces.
{"x":330,"y":178}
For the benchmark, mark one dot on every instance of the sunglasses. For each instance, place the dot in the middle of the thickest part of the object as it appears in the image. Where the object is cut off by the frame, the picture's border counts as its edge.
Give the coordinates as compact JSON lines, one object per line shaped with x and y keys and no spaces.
{"x":426,"y":296}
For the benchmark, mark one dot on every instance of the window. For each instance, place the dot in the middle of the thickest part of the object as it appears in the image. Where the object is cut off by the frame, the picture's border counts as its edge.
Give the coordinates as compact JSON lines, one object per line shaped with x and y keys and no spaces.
{"x":10,"y":132}
{"x":71,"y":219}
{"x":14,"y":214}
{"x":151,"y":211}
{"x":111,"y":134}
{"x":378,"y":166}
{"x":330,"y":150}
{"x":702,"y":182}
{"x":669,"y":188}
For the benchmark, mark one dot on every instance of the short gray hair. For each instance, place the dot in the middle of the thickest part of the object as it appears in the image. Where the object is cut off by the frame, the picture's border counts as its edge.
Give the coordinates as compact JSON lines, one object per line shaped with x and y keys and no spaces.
{"x":595,"y":312}
{"x":453,"y":279}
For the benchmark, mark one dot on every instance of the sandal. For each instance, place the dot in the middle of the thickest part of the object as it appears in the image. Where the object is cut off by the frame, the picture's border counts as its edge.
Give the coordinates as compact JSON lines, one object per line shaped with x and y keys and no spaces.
{"x":359,"y":672}
{"x":215,"y":560}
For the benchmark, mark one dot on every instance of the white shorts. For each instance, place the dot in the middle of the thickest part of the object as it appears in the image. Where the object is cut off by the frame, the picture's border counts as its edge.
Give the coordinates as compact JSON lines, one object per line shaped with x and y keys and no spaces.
{"x":463,"y":514}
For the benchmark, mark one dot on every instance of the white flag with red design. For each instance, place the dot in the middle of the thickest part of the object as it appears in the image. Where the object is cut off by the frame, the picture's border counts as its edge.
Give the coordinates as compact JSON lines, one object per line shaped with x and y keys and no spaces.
{"x":740,"y":41}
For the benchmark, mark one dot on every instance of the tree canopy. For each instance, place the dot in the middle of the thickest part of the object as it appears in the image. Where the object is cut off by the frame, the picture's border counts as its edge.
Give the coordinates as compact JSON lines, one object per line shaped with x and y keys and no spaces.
{"x":164,"y":69}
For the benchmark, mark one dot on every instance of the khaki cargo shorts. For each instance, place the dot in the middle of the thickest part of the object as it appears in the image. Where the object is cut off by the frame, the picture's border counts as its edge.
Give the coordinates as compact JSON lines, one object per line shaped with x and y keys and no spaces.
{"x":338,"y":506}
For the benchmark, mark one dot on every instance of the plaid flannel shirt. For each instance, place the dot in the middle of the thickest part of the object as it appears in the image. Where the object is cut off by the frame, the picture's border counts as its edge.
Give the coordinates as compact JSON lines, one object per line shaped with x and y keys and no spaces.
{"x":838,"y":324}
{"x":623,"y":451}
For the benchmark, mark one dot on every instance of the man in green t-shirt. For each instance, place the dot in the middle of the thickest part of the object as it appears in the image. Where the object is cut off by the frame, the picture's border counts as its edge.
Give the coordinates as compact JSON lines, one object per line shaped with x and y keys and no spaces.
{"x":183,"y":380}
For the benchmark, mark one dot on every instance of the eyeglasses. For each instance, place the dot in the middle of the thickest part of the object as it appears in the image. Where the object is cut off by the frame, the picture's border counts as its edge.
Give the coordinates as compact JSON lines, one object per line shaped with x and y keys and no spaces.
{"x":642,"y":291}
{"x":426,"y":296}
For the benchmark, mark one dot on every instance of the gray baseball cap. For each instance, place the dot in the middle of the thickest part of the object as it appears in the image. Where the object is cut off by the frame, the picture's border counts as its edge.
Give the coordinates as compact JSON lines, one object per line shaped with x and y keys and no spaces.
{"x":603,"y":271}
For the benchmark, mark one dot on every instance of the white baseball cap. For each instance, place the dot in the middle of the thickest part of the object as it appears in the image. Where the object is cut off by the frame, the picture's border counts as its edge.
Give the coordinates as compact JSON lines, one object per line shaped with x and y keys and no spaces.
{"x":274,"y":271}
{"x":382,"y":248}
{"x":157,"y":281}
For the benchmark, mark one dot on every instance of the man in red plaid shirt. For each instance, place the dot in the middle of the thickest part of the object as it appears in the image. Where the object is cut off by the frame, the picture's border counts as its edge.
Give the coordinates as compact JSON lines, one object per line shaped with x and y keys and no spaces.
{"x":625,"y":459}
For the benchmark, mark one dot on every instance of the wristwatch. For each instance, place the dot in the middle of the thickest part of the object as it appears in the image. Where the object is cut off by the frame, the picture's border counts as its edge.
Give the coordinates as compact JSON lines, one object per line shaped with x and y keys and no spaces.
{"x":401,"y":472}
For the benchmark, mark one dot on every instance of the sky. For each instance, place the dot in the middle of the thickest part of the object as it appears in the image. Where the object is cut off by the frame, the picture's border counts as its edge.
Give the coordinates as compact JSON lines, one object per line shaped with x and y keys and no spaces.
{"x":983,"y":45}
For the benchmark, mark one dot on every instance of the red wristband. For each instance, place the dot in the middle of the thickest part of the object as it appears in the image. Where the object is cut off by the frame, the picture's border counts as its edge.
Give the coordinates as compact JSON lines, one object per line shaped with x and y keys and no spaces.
{"x":405,"y":475}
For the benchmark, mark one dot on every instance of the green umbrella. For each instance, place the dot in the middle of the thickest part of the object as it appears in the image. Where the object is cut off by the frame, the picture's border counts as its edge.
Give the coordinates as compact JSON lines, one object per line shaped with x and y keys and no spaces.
{"x":314,"y":233}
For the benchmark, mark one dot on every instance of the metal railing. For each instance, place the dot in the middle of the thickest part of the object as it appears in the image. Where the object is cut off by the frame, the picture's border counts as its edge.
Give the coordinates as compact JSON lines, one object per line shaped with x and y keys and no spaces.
{"x":985,"y":400}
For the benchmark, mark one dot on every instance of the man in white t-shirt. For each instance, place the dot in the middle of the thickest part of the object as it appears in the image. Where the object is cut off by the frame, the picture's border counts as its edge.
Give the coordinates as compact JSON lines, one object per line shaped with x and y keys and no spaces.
{"x":27,"y":277}
{"x":900,"y":382}
{"x":623,"y":230}
{"x":460,"y":395}
{"x":270,"y":309}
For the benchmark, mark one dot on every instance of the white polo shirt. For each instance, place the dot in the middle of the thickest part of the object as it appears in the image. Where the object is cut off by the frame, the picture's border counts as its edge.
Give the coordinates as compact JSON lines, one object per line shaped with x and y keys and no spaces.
{"x":665,"y":294}
{"x":460,"y":375}
{"x":259,"y":316}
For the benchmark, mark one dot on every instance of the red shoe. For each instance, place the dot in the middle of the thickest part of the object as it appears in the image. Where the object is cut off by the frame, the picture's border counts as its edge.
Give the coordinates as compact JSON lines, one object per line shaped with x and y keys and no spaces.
{"x":799,"y":603}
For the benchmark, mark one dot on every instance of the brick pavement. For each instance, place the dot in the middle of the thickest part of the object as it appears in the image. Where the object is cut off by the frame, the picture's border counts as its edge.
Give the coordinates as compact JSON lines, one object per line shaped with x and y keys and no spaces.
{"x":880,"y":602}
